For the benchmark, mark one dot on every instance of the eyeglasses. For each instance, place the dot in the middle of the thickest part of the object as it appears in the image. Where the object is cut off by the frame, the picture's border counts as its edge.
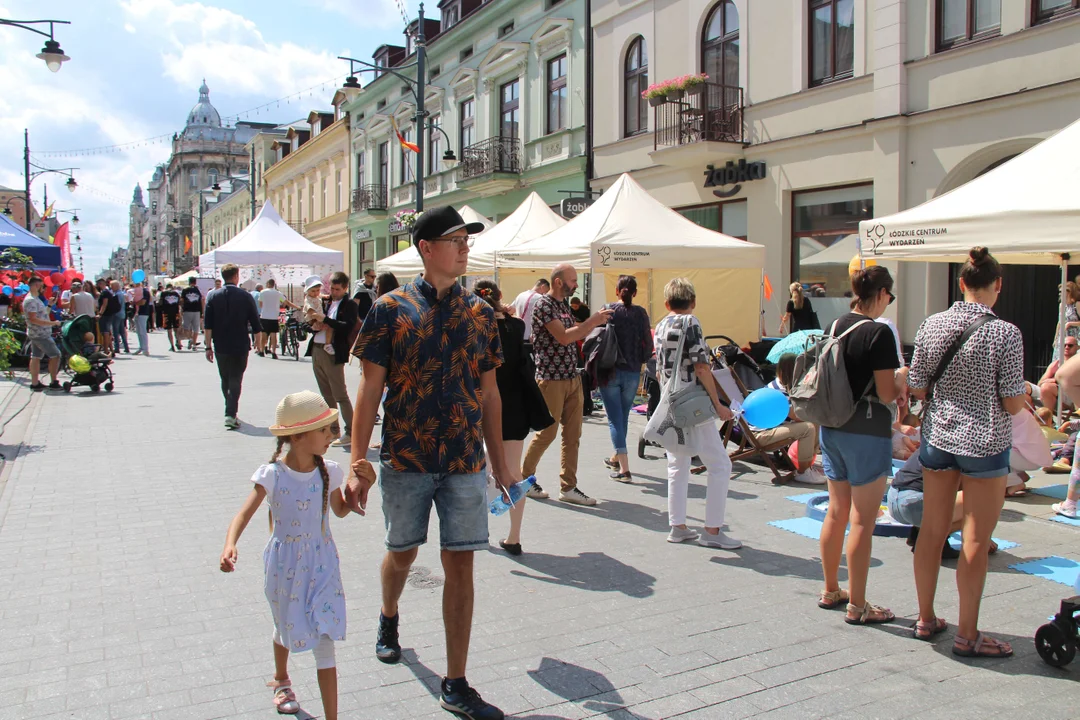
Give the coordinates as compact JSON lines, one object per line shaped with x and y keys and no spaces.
{"x":891,"y":296}
{"x":460,"y":241}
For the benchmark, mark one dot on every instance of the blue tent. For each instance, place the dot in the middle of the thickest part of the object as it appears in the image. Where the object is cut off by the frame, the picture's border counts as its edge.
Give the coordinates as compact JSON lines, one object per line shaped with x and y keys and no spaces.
{"x":44,"y":255}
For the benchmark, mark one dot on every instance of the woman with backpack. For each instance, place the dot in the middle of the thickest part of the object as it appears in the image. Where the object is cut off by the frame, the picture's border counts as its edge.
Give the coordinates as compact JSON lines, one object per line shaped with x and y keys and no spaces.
{"x":857,"y":455}
{"x":630,"y":323}
{"x":969,"y":365}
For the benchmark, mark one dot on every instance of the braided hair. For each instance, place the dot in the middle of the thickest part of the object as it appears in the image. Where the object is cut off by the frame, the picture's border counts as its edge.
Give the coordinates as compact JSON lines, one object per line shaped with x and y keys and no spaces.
{"x":281,"y":442}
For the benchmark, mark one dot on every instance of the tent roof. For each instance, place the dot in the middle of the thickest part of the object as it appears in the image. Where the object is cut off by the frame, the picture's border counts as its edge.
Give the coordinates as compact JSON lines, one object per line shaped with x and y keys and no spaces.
{"x":1025,"y":211}
{"x":532,"y":219}
{"x":407,"y":262}
{"x":627,"y":228}
{"x":269,"y":240}
{"x":839,"y":253}
{"x":43,"y":254}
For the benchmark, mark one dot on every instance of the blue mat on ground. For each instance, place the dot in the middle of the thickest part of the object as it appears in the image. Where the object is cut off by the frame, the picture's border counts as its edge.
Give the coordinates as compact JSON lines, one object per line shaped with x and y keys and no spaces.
{"x":806,"y":497}
{"x":1057,"y":492}
{"x":807,"y":527}
{"x":954,"y":541}
{"x":1059,"y":569}
{"x":1065,"y":521}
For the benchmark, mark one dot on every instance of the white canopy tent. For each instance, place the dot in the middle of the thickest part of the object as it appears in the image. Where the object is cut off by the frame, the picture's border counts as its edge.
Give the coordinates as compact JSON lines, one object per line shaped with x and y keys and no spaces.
{"x":628,"y":231}
{"x":407,"y":263}
{"x":1026,"y":211}
{"x":269,"y":241}
{"x":532,"y":219}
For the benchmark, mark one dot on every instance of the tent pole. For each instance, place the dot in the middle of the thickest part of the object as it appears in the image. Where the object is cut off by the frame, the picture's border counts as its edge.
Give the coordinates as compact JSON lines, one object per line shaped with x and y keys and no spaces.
{"x":1061,"y":324}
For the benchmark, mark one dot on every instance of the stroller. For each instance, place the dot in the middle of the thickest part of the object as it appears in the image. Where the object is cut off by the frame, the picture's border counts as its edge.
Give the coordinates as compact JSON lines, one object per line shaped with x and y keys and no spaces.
{"x":92,"y":372}
{"x":750,"y":373}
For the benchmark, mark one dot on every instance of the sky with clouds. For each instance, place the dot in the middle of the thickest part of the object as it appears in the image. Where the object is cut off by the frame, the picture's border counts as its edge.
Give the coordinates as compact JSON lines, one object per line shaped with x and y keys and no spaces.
{"x":134,"y":73}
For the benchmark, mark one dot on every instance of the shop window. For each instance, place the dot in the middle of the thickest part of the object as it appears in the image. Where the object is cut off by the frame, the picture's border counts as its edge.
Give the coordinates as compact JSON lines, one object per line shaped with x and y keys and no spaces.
{"x":964,"y":21}
{"x":728,"y":218}
{"x":824,"y":239}
{"x":832,"y":40}
{"x":1044,"y":10}
{"x":635,"y":81}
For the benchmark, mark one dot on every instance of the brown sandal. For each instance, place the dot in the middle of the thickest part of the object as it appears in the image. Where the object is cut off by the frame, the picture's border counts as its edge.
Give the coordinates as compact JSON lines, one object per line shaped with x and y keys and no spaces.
{"x":868,"y":614}
{"x":833,"y":600}
{"x":928,"y":630}
{"x":982,"y":646}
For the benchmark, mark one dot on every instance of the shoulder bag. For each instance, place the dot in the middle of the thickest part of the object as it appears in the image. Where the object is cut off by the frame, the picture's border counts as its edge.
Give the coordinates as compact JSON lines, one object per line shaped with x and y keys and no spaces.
{"x":692,"y":405}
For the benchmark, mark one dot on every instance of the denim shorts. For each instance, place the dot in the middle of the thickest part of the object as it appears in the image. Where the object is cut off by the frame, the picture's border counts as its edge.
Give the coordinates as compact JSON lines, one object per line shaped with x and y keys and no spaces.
{"x":855,"y":459}
{"x":43,"y":347}
{"x":460,"y":501}
{"x":905,"y":506}
{"x":974,"y":467}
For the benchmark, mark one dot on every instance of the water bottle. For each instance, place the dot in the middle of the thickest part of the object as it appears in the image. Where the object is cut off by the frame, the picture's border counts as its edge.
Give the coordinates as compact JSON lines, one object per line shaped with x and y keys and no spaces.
{"x":517,"y":492}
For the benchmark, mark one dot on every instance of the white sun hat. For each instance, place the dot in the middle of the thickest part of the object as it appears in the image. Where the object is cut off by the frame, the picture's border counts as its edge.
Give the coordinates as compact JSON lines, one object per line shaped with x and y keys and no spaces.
{"x":301,"y":412}
{"x":312,"y":281}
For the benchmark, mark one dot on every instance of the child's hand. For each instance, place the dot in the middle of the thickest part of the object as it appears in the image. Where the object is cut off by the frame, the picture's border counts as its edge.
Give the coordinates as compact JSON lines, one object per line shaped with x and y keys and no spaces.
{"x":364,"y":470}
{"x":228,"y":558}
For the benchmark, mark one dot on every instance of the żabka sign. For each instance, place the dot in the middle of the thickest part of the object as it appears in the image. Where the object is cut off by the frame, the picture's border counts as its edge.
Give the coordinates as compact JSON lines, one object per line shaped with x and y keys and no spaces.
{"x":732,"y":174}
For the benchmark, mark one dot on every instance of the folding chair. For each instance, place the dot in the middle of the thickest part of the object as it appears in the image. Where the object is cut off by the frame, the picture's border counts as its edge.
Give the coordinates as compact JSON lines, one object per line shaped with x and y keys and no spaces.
{"x":732,"y":391}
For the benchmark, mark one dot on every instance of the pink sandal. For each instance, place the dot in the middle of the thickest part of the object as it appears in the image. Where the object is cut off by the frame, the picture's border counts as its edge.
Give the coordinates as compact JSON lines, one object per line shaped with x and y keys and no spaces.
{"x":929,"y":629}
{"x":284,"y":697}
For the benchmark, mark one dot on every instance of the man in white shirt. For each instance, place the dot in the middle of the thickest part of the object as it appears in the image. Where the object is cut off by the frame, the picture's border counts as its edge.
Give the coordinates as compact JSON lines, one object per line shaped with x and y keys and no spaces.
{"x":269,"y":311}
{"x":525,"y":303}
{"x":81,"y":302}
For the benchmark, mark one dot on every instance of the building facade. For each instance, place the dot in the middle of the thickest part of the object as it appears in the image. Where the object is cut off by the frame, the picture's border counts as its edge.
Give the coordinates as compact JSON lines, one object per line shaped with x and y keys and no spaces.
{"x":506,"y":84}
{"x":140,"y":248}
{"x":821,"y":113}
{"x":225,"y":215}
{"x":13,"y":204}
{"x":307,"y":178}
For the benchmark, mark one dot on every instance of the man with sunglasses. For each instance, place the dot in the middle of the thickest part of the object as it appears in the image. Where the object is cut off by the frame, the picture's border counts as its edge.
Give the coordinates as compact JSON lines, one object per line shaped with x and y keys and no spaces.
{"x":434,"y":346}
{"x":1048,"y":383}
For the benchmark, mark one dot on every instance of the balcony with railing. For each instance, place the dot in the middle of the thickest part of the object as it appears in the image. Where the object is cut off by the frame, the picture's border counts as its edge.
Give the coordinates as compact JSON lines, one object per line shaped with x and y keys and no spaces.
{"x":713,"y":114}
{"x":369,"y":198}
{"x":491,"y":165}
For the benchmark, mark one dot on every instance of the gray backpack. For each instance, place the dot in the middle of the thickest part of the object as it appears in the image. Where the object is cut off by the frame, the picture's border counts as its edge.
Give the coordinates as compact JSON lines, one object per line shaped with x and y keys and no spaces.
{"x":820,"y":392}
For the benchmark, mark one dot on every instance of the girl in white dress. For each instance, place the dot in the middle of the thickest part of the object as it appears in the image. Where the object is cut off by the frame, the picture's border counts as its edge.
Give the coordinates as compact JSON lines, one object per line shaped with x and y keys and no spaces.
{"x":303,"y":579}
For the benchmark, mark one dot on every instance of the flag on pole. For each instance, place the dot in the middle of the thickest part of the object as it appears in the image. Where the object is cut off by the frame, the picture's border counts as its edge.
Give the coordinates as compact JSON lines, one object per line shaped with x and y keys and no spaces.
{"x":401,"y":138}
{"x":768,"y":286}
{"x":48,"y":210}
{"x":187,"y":244}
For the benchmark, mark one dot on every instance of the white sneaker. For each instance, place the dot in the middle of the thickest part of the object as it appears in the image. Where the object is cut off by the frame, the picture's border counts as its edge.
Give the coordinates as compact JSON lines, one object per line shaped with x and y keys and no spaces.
{"x":719,"y":540}
{"x":231,"y":423}
{"x":678,"y":535}
{"x":1065,"y":509}
{"x":343,"y":441}
{"x":812,"y":476}
{"x":576,"y":497}
{"x":537,"y":493}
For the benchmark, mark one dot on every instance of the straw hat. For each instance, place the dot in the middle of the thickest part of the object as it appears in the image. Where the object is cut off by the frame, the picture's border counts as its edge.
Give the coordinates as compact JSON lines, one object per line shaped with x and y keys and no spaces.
{"x":301,"y":412}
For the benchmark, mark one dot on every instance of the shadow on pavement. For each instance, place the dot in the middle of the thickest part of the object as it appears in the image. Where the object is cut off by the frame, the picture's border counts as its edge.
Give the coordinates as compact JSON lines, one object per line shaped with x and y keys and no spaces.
{"x":155,"y":383}
{"x":631,"y":513}
{"x":254,"y":431}
{"x":593,"y":571}
{"x":574,"y":683}
{"x":774,"y":564}
{"x":430,"y":679}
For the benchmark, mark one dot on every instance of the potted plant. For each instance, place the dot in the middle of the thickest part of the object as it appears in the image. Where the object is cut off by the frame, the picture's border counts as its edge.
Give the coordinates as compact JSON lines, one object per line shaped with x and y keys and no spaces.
{"x":693,"y":84}
{"x":674,"y":90}
{"x":406,"y":218}
{"x":656,"y":94}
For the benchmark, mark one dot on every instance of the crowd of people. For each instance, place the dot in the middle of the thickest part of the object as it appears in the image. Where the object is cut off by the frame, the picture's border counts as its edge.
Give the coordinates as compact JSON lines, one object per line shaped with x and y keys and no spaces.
{"x":505,"y":370}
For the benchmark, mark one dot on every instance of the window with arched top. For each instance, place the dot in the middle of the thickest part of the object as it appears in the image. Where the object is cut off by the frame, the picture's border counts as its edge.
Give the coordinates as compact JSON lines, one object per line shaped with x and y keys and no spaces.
{"x":720,"y":45}
{"x":636,"y":80}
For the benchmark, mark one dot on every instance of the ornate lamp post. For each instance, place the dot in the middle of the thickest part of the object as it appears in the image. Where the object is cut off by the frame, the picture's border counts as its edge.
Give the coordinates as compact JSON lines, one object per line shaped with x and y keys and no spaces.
{"x":31,"y":175}
{"x":53,"y":56}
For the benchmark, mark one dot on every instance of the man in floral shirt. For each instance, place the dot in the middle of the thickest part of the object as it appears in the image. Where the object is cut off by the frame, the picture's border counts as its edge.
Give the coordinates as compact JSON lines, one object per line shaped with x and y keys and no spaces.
{"x":555,"y":335}
{"x":435,"y":347}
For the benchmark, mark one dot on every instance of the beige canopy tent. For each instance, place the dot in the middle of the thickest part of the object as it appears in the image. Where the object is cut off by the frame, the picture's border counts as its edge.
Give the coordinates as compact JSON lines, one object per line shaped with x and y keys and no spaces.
{"x":628,"y":231}
{"x":407,"y":263}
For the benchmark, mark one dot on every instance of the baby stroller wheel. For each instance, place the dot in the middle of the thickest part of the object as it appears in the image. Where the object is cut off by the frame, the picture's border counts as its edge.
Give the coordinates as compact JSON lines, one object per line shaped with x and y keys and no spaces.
{"x":1054,"y":646}
{"x":67,"y":387}
{"x":95,"y":388}
{"x":108,"y":387}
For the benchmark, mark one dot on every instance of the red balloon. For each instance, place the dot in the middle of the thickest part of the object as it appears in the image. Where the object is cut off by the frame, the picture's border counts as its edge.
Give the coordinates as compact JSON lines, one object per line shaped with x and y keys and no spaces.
{"x":47,"y":281}
{"x":66,"y":285}
{"x":58,"y":277}
{"x":70,"y":273}
{"x":78,"y":276}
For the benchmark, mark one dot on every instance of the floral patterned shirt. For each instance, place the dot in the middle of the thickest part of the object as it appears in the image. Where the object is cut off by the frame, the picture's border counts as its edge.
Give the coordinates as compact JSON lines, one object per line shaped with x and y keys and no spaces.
{"x":434,"y":351}
{"x":553,"y":361}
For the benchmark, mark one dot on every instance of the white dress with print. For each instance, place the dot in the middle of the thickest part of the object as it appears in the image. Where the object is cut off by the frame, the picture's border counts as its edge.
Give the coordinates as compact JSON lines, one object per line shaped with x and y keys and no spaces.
{"x":303,"y":579}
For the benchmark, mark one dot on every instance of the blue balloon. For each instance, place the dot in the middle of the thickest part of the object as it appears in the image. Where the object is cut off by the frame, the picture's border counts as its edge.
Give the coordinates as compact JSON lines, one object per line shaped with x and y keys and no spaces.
{"x":7,"y":290}
{"x":138,"y":276}
{"x":766,"y":408}
{"x":22,"y":289}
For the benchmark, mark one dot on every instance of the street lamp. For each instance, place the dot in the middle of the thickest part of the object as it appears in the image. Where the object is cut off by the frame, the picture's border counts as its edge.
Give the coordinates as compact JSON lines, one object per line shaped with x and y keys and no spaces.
{"x":74,"y":213}
{"x":417,"y":86}
{"x":30,"y":175}
{"x":53,"y":56}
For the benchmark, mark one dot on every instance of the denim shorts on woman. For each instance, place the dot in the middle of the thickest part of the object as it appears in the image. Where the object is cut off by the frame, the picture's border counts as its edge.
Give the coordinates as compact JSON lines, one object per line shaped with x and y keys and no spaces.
{"x":974,"y":467}
{"x":905,"y":506}
{"x":460,"y":501}
{"x":855,"y":459}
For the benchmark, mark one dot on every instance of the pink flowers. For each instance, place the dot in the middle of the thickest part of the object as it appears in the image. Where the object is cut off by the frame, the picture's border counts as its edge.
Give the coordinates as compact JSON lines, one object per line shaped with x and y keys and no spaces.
{"x":680,"y":83}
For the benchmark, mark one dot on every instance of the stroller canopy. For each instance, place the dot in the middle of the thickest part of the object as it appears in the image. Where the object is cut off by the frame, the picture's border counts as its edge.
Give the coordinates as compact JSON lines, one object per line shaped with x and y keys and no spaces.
{"x":71,"y":333}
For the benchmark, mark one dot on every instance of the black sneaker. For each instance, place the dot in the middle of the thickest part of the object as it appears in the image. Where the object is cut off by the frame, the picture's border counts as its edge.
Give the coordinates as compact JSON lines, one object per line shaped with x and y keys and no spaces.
{"x":464,"y":701}
{"x":37,"y":387}
{"x":54,"y":385}
{"x":387,"y":647}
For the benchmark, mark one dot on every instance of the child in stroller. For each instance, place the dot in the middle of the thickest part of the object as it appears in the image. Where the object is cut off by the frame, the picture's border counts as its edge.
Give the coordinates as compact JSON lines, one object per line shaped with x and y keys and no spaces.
{"x":86,"y":363}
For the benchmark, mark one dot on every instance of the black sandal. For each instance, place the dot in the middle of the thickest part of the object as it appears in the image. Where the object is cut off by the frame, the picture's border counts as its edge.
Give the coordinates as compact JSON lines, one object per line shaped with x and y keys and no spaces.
{"x":623,"y":477}
{"x":511,"y":548}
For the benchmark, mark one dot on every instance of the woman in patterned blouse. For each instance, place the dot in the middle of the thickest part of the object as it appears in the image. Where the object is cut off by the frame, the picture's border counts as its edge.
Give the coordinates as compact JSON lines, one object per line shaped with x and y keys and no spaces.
{"x":967,"y":433}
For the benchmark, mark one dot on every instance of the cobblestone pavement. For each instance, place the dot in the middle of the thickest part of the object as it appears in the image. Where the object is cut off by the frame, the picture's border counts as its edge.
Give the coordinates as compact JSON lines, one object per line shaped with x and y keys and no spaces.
{"x":113,"y":517}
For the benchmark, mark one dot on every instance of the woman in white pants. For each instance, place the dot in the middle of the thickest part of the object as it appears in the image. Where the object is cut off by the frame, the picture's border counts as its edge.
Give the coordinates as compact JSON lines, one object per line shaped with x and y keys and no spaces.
{"x":694,"y":366}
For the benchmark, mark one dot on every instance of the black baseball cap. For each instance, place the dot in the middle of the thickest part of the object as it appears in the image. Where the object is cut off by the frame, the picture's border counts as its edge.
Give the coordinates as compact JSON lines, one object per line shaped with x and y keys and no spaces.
{"x":440,"y":222}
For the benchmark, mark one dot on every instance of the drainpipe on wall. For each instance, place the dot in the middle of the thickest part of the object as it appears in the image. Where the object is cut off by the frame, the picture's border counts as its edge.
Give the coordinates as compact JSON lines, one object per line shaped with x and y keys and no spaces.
{"x":588,"y":99}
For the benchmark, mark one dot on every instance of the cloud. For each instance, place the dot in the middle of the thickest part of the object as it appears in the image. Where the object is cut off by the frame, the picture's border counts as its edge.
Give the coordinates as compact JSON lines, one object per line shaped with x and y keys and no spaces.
{"x":227,"y":49}
{"x":128,"y":27}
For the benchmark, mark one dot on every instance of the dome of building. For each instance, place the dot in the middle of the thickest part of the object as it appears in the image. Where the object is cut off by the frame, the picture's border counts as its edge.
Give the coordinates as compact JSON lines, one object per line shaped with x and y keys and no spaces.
{"x":203,"y":114}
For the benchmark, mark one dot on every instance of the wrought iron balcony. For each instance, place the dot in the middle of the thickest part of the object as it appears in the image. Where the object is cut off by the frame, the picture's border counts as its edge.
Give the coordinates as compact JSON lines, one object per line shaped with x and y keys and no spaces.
{"x":369,"y":197}
{"x":713,"y":114}
{"x":487,"y":157}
